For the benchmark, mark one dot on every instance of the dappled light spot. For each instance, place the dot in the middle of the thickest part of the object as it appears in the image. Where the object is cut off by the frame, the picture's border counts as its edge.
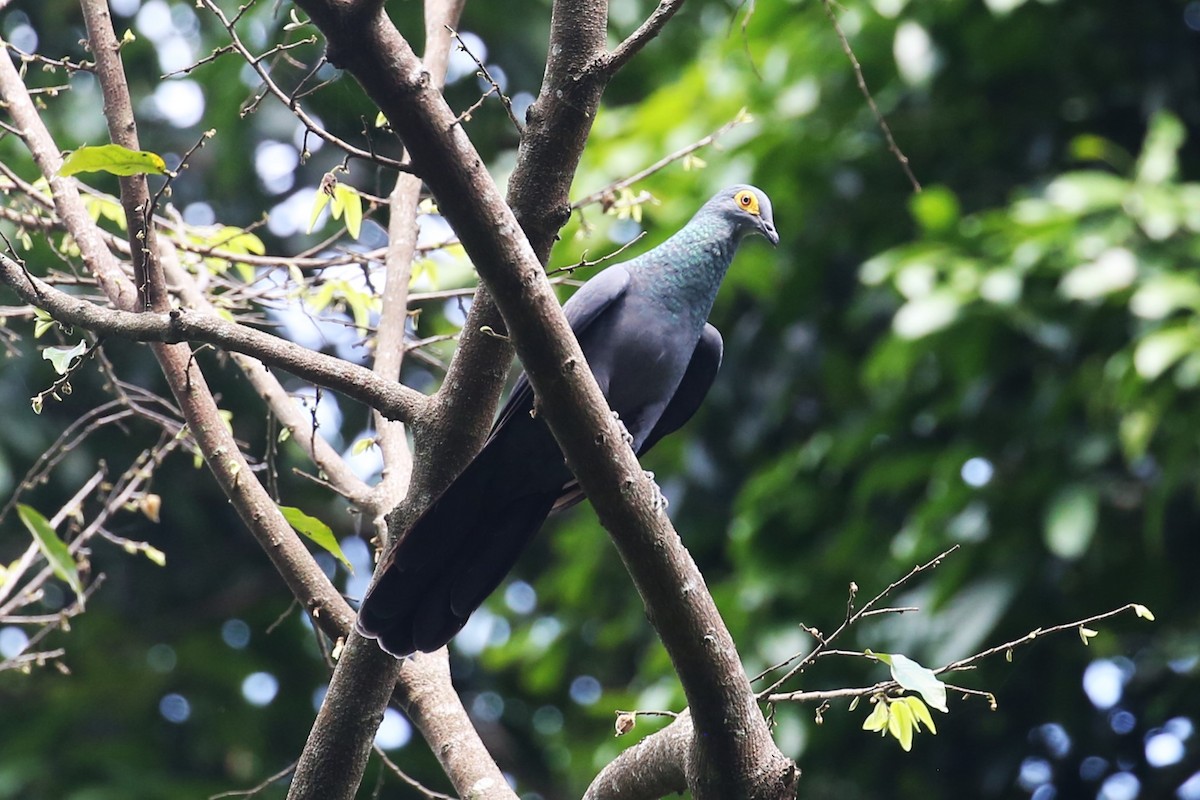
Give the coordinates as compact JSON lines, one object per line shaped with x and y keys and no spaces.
{"x":154,"y":20}
{"x":1120,"y":786}
{"x":1054,"y":738}
{"x":544,"y":631}
{"x":275,"y":164}
{"x":585,"y":690}
{"x":1092,"y":768}
{"x":181,"y":103}
{"x":1191,"y":15}
{"x":318,"y":696}
{"x":482,"y":630}
{"x":977,"y":472}
{"x":1103,"y":682}
{"x":394,"y":732}
{"x":487,"y":707}
{"x":175,"y":708}
{"x":520,"y":597}
{"x":161,"y":658}
{"x":1163,"y":749}
{"x":235,"y":633}
{"x":1034,"y":772}
{"x":13,"y":641}
{"x":547,"y":720}
{"x":1122,"y":722}
{"x":260,"y":688}
{"x":1190,"y":789}
{"x":916,"y":57}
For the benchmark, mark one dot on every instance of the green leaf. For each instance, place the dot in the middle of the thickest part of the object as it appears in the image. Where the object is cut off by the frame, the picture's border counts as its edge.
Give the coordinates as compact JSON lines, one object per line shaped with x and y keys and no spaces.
{"x":61,"y":357}
{"x":921,"y":715}
{"x":348,"y":202}
{"x":901,"y":724}
{"x":113,"y":159}
{"x":317,"y":531}
{"x":53,"y":548}
{"x":915,"y":678}
{"x":42,"y":322}
{"x":878,"y":718}
{"x":319,"y":202}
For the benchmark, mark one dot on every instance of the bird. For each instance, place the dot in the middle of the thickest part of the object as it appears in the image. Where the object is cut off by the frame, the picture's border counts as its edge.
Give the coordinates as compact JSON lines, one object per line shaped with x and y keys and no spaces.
{"x":644,"y":331}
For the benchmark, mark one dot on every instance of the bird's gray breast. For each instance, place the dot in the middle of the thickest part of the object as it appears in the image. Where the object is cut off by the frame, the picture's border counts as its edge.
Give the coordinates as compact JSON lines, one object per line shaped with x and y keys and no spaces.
{"x":639,"y":352}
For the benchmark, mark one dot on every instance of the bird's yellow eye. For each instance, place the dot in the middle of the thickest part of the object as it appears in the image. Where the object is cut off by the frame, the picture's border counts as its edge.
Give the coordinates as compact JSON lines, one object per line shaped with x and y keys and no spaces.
{"x":747,"y":201}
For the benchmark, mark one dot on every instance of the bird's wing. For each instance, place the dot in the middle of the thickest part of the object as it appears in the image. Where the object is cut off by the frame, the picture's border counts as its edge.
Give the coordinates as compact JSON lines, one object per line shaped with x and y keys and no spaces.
{"x":582,"y":309}
{"x":696,"y":381}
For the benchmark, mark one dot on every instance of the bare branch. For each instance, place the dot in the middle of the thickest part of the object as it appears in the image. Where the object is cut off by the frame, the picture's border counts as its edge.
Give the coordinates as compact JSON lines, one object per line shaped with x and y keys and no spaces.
{"x":122,"y":129}
{"x":292,"y":102}
{"x":862,"y":87}
{"x":603,"y":195}
{"x":182,"y":325}
{"x":649,"y":29}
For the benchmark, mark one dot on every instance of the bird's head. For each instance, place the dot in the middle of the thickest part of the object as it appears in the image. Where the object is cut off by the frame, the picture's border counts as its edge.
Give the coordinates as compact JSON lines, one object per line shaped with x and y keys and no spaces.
{"x":749,"y":210}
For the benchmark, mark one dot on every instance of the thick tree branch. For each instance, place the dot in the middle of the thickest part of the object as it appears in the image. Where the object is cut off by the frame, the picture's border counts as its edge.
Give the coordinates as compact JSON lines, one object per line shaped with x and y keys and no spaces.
{"x":339,"y":744}
{"x":122,"y":130}
{"x":654,"y":767}
{"x":185,"y":325}
{"x":732,"y":753}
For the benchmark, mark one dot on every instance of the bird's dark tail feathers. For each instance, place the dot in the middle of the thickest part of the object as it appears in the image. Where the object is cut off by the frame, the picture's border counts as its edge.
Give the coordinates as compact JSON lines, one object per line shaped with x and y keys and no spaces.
{"x":453,"y":558}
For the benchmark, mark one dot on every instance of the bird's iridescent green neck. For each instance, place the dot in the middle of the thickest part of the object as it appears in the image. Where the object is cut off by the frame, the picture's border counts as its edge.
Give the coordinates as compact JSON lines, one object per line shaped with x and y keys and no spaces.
{"x":685,"y":272}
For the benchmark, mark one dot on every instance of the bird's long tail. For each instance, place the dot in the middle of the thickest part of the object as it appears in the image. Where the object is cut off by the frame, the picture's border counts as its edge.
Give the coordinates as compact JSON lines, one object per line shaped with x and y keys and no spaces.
{"x":459,"y":551}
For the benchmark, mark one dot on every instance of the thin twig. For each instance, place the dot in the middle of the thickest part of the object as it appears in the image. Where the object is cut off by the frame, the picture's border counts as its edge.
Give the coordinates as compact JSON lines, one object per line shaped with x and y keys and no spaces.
{"x":258,"y":789}
{"x":850,"y":619}
{"x":862,"y":87}
{"x":496,"y":90}
{"x":408,"y":779}
{"x":599,"y":195}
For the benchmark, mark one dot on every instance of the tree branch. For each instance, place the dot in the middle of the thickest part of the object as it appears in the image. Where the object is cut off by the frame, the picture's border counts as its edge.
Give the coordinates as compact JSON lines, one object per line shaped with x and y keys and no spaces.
{"x":184,"y":325}
{"x":464,"y":757}
{"x":639,"y":38}
{"x":654,"y":767}
{"x":122,"y":130}
{"x":732,"y":754}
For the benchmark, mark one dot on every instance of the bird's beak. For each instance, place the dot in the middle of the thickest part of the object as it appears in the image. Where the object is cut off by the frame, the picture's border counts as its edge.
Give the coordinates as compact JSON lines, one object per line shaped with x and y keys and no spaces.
{"x":768,"y":230}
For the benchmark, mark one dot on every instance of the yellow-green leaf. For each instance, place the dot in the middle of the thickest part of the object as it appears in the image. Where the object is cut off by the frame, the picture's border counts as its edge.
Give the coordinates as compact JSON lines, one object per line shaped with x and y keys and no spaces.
{"x":1085,"y":634}
{"x":52,"y":547}
{"x":61,"y":357}
{"x":319,"y":202}
{"x":42,"y":322}
{"x":317,"y":531}
{"x":1143,"y":612}
{"x":920,"y":711}
{"x":113,"y":159}
{"x":349,"y":202}
{"x":878,"y":718}
{"x":901,"y":724}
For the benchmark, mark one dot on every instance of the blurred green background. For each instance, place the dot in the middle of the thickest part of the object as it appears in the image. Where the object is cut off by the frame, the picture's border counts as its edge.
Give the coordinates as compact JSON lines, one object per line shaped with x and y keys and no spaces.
{"x":1008,"y":361}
